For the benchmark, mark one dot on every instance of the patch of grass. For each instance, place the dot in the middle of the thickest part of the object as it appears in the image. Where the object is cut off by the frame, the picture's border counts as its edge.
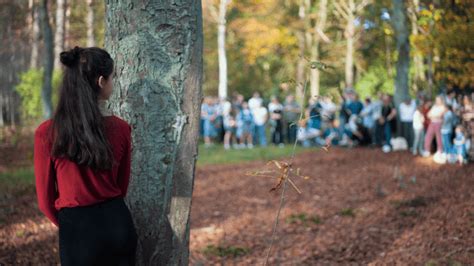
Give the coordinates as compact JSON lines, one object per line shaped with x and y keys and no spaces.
{"x":347,"y":212}
{"x":411,"y":203}
{"x":303,"y":218}
{"x":230,"y":251}
{"x":218,"y":155}
{"x":408,"y":213}
{"x":19,"y":178}
{"x":431,"y":263}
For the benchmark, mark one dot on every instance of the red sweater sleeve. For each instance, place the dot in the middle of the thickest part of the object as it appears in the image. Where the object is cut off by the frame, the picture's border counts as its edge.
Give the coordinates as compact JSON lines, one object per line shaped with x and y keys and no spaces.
{"x":123,"y":176}
{"x":45,"y":177}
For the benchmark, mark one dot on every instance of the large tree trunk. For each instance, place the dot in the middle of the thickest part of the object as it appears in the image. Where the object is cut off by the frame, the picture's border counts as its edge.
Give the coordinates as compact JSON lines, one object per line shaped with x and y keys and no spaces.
{"x":400,"y":25}
{"x":221,"y":48}
{"x":59,"y":33}
{"x":48,"y":60}
{"x":318,"y":30}
{"x":157,"y":47}
{"x":90,"y":24}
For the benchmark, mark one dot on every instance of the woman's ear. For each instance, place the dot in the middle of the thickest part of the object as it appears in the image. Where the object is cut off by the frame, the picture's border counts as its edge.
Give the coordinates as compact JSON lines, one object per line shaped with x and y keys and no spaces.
{"x":101,"y":82}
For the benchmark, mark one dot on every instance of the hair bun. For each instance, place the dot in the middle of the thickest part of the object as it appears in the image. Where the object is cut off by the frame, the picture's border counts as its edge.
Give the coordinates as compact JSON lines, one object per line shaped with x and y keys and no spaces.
{"x":71,"y":57}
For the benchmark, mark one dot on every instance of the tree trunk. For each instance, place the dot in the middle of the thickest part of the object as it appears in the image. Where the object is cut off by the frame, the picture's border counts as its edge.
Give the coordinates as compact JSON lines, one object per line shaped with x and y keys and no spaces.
{"x":318,"y":29}
{"x":59,"y":33}
{"x":157,"y":47}
{"x":300,"y":67}
{"x":90,"y":24}
{"x":349,"y":34}
{"x":67,"y":24}
{"x":221,"y":49}
{"x":417,"y":57}
{"x":403,"y":47}
{"x":48,"y":60}
{"x":35,"y":36}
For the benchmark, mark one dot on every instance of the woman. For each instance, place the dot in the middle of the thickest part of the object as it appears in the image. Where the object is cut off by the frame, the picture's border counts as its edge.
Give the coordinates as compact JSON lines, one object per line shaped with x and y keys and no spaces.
{"x":435,"y":115}
{"x":82,"y":166}
{"x":467,"y":115}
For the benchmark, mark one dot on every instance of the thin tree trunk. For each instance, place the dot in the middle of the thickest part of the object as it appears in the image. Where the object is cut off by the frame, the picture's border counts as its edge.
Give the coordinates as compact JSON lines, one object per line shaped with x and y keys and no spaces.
{"x":417,"y":57}
{"x":300,"y":67}
{"x":35,"y":35}
{"x":67,"y":24}
{"x":59,"y":33}
{"x":318,"y":29}
{"x":48,"y":60}
{"x":221,"y":49}
{"x":350,"y":31}
{"x":157,"y":47}
{"x":403,"y":47}
{"x":90,"y":24}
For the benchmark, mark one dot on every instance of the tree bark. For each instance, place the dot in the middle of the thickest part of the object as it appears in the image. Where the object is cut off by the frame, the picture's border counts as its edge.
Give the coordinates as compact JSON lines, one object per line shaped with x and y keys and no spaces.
{"x":221,"y":48}
{"x":34,"y":33}
{"x":318,"y":29}
{"x":59,"y":33}
{"x":400,"y":25}
{"x":301,"y":64}
{"x":157,"y":47}
{"x":417,"y":57}
{"x":48,"y":60}
{"x":90,"y":24}
{"x":349,"y":34}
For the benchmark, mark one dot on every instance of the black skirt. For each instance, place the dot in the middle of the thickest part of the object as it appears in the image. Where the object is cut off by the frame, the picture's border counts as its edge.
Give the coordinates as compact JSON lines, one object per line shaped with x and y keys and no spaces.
{"x":99,"y":234}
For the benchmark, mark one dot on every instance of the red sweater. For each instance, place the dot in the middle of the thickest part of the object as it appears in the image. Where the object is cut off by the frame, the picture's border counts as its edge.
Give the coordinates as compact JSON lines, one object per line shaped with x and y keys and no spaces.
{"x":62,"y":183}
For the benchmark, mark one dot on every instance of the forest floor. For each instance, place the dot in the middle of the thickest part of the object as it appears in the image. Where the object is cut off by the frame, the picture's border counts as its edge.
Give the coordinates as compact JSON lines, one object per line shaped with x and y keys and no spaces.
{"x":359,"y":206}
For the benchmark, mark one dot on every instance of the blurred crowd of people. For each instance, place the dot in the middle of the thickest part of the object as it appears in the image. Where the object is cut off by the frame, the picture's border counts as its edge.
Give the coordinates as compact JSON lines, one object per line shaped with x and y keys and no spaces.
{"x":443,"y":128}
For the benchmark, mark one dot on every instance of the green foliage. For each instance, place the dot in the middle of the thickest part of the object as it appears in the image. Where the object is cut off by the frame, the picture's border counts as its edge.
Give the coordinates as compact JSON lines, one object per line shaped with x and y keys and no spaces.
{"x":347,"y":212}
{"x":374,"y":80}
{"x":220,"y":251}
{"x":218,"y":155}
{"x":29,"y":89}
{"x":303,"y":218}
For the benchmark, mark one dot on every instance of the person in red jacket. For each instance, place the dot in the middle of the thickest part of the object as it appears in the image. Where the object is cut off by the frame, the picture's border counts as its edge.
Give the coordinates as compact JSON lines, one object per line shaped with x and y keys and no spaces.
{"x":82,"y":165}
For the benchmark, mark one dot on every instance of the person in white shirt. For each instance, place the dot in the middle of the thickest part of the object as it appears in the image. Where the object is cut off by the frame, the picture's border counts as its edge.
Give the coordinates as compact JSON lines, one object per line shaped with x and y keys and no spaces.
{"x":260,"y":116}
{"x":418,"y":130}
{"x":406,"y":110}
{"x":255,"y":102}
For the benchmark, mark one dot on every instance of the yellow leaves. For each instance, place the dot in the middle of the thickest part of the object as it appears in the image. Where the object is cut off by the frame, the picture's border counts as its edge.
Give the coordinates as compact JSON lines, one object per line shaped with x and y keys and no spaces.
{"x":261,"y":39}
{"x":388,"y":31}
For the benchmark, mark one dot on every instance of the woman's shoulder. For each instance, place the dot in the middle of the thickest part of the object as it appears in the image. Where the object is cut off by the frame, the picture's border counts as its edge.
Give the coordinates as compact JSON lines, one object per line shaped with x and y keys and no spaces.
{"x":119,"y":123}
{"x":43,"y":128}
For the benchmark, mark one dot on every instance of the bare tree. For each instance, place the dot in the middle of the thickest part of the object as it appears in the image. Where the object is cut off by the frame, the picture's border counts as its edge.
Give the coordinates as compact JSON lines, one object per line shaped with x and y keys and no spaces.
{"x":48,"y":59}
{"x":349,"y":10}
{"x":318,"y":35}
{"x":90,"y":23}
{"x":34,"y":33}
{"x":157,"y":47}
{"x":59,"y":33}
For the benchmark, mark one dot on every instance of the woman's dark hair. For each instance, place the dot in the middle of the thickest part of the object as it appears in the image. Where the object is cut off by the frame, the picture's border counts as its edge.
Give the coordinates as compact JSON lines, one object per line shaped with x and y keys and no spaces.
{"x":78,"y":131}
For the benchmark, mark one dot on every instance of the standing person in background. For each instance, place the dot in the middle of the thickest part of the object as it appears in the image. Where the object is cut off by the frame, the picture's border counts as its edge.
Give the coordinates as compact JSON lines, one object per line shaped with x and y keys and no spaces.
{"x":291,"y":114}
{"x":208,"y":114}
{"x":384,"y":125}
{"x":449,"y":121}
{"x":418,"y":130}
{"x":230,"y":129}
{"x":255,"y":102}
{"x":435,"y":115}
{"x":407,"y":109}
{"x":450,"y":100}
{"x":467,"y":116}
{"x":355,"y":106}
{"x":238,"y":101}
{"x":260,"y":117}
{"x":245,"y":126}
{"x":275,"y":108}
